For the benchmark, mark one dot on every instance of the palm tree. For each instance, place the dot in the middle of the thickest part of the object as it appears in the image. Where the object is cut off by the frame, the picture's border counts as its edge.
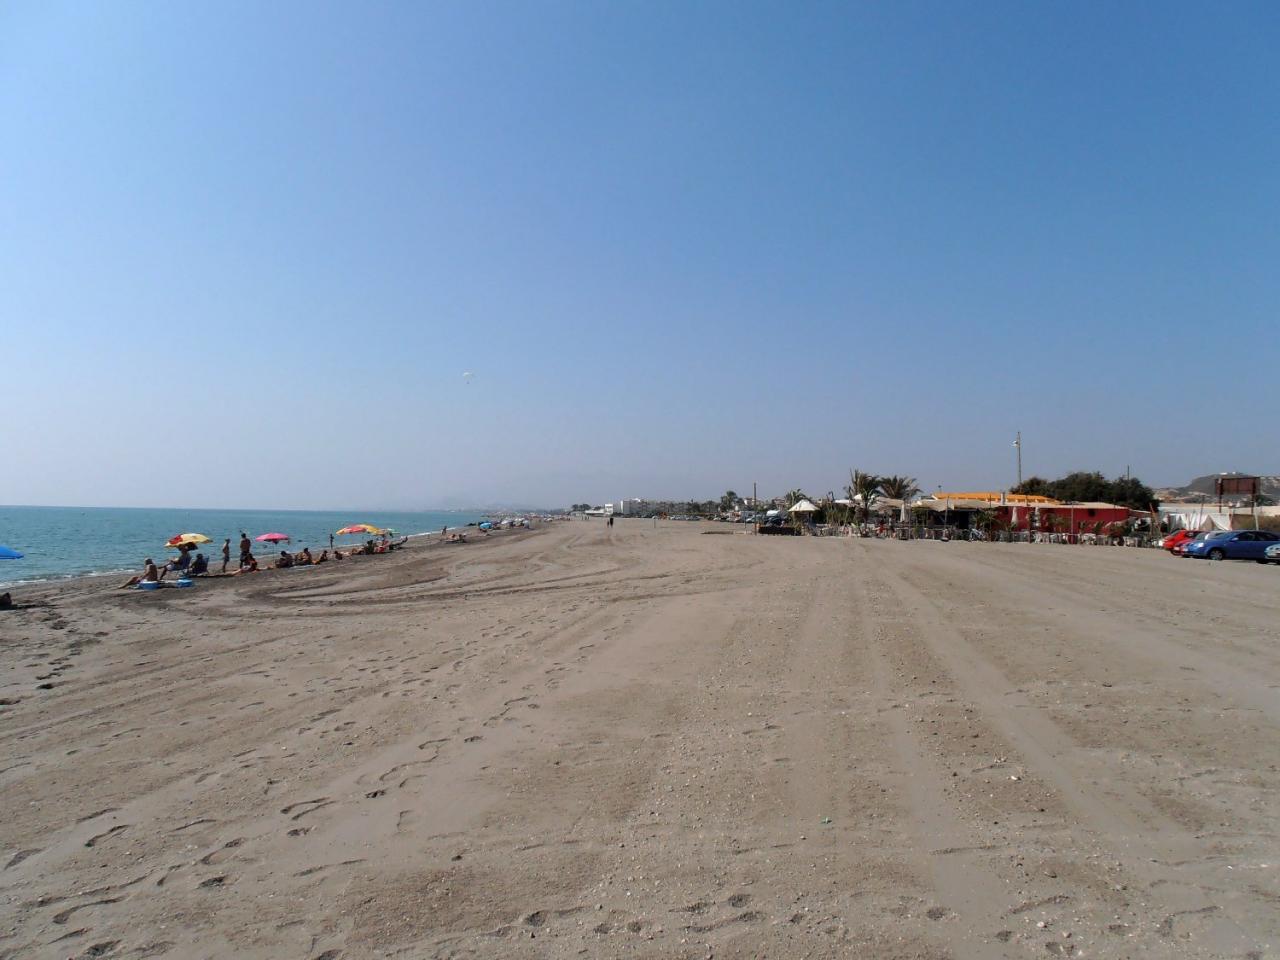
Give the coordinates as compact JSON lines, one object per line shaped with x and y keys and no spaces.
{"x":795,"y":496}
{"x":863,"y":487}
{"x":899,"y":488}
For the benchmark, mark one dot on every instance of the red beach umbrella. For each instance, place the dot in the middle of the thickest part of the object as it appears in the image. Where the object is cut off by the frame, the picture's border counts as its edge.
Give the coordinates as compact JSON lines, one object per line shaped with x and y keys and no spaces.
{"x":272,"y":538}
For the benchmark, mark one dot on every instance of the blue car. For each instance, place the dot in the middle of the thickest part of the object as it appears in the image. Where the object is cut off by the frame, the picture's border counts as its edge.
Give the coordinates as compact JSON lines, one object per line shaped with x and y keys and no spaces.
{"x":1231,"y":545}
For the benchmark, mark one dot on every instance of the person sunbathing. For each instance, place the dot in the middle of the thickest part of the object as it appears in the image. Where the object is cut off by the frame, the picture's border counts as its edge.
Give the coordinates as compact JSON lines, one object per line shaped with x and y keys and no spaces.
{"x":199,"y":566}
{"x":248,"y":564}
{"x":304,"y":558}
{"x":324,"y":556}
{"x":285,"y":561}
{"x":149,"y":575}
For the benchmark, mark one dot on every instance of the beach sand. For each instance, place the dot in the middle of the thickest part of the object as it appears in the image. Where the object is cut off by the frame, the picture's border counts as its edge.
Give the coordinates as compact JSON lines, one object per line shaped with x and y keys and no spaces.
{"x":650,"y":742}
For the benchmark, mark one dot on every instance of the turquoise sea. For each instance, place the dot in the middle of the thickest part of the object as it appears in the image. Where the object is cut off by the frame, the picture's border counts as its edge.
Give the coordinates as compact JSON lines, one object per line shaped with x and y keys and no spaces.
{"x":73,"y":541}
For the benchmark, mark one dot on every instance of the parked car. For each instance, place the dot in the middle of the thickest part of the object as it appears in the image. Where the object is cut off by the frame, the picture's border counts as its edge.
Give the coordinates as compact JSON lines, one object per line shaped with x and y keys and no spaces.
{"x":1181,"y":549}
{"x":1272,"y":553}
{"x":1232,"y":545}
{"x":1177,"y":539}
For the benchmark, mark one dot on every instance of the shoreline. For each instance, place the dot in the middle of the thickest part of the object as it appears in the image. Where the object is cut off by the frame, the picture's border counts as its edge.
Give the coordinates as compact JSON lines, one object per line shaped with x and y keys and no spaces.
{"x":44,"y":589}
{"x":73,"y":579}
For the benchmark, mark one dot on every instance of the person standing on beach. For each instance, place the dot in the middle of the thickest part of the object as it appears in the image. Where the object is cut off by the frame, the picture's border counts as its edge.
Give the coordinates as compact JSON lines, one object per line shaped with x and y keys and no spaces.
{"x":246,"y":547}
{"x":331,"y":541}
{"x":226,"y":553}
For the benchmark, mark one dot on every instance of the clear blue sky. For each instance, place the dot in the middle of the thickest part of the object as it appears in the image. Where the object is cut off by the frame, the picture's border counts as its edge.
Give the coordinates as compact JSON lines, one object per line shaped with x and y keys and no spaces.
{"x":248,"y":250}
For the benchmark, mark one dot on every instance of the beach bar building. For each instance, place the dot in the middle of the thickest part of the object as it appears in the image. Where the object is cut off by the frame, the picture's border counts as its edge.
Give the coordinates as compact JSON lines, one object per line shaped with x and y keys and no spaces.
{"x":1025,"y":511}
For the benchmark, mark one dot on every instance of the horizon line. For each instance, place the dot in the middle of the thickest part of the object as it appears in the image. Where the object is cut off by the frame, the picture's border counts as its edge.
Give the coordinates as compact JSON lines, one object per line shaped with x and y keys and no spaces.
{"x":82,"y":506}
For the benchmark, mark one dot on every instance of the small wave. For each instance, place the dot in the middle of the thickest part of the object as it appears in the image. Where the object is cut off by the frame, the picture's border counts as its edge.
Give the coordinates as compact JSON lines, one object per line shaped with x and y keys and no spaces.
{"x":62,"y":577}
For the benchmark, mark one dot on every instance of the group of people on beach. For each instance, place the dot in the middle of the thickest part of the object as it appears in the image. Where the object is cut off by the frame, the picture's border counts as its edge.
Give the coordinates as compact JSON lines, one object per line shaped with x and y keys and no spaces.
{"x":187,"y":565}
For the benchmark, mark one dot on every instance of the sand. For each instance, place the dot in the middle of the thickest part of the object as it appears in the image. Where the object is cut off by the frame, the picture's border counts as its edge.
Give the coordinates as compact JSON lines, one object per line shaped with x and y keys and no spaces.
{"x":650,"y":742}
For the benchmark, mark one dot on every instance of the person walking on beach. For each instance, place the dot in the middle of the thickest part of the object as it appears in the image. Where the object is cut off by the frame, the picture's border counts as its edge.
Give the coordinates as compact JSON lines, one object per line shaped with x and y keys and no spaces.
{"x":226,"y":553}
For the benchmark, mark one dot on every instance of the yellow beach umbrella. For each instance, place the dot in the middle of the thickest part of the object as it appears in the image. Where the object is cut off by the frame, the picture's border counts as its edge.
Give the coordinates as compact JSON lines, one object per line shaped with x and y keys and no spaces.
{"x":359,"y":528}
{"x":186,"y":539}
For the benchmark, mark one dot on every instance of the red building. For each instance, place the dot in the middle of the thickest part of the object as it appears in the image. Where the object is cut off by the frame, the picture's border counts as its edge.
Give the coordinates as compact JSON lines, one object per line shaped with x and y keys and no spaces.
{"x":1022,"y":511}
{"x":1071,"y":518}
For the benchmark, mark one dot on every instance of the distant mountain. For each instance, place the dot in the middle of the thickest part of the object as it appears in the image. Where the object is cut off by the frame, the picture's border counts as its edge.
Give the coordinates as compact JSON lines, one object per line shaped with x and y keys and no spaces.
{"x":1204,"y":486}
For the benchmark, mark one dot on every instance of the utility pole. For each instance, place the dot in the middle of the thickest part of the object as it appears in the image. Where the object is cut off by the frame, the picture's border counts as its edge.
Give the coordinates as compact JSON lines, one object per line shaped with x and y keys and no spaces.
{"x":1018,"y":443}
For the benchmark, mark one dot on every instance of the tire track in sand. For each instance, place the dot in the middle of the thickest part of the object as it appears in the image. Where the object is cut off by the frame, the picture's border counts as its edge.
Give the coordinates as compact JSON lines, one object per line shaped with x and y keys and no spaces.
{"x":1142,"y":842}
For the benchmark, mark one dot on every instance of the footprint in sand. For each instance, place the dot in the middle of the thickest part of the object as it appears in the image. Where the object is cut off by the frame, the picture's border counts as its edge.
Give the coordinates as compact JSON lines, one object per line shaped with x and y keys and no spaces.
{"x":18,"y":857}
{"x":311,"y":807}
{"x":209,"y":858}
{"x":98,"y":838}
{"x":100,"y":949}
{"x":97,"y":813}
{"x":193,"y":823}
{"x":65,"y":915}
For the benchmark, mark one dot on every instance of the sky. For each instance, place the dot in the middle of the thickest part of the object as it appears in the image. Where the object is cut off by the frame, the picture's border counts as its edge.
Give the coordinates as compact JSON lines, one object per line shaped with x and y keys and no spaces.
{"x":248,"y":251}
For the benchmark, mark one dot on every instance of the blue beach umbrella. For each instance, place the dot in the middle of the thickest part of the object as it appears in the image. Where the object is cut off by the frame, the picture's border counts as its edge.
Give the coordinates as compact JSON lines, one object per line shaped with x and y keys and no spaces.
{"x":8,"y":553}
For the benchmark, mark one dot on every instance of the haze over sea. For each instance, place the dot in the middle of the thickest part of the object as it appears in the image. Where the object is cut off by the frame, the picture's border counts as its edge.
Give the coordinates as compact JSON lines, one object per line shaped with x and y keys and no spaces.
{"x":73,"y":541}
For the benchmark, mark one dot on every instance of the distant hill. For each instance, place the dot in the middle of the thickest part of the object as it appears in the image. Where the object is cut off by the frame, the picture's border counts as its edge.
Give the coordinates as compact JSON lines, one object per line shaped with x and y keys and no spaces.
{"x":1269,"y":486}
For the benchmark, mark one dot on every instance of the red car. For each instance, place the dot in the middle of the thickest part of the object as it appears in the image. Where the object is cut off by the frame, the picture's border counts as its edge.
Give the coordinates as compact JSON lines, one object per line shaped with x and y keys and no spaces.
{"x":1174,"y":541}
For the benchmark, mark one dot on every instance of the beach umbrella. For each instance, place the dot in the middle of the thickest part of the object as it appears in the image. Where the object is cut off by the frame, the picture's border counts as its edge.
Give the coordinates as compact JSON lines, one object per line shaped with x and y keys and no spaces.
{"x":273,"y":538}
{"x":358,"y":528}
{"x":8,"y":553}
{"x":804,"y":506}
{"x":189,"y":539}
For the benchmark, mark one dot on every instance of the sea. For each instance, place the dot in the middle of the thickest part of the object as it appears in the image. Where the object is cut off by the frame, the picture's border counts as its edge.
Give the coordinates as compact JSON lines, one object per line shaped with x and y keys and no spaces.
{"x":60,"y":542}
